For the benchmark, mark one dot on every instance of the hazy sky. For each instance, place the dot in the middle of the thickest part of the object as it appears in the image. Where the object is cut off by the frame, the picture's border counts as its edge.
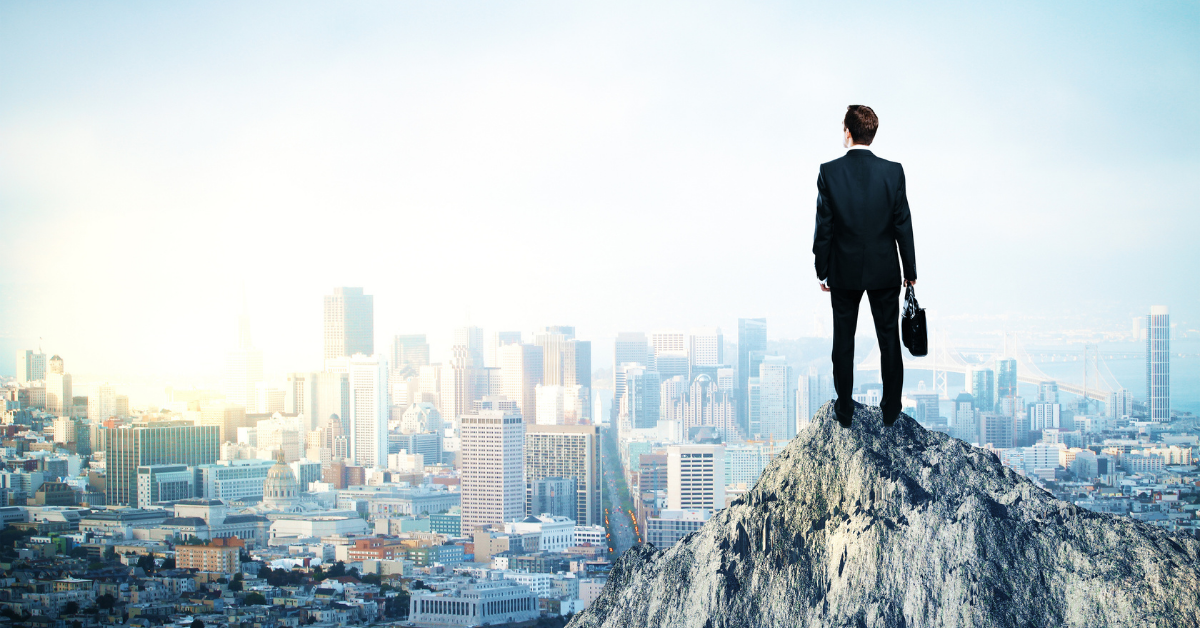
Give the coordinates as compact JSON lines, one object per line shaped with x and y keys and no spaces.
{"x":612,"y":166}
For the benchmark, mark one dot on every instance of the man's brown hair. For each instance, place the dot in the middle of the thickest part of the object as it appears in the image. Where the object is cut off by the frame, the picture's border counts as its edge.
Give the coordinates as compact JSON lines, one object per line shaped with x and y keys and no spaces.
{"x":862,"y":123}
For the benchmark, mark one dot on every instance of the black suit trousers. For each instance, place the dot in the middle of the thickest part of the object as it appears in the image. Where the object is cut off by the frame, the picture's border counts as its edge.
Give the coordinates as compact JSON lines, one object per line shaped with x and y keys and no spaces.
{"x":885,"y":309}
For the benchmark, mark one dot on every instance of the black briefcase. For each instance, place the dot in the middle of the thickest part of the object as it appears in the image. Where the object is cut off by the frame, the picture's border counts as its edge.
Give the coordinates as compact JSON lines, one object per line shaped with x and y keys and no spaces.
{"x":912,"y":325}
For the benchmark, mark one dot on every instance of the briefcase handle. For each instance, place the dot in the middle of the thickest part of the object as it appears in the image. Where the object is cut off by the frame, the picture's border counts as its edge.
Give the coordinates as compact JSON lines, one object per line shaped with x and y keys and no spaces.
{"x":910,"y":301}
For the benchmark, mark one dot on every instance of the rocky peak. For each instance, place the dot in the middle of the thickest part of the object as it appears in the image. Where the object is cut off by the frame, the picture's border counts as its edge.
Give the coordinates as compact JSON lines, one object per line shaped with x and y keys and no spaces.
{"x":900,"y":526}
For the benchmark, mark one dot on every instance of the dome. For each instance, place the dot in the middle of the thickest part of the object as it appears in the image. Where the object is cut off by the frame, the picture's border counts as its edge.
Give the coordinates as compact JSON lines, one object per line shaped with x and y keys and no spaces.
{"x":281,"y":491}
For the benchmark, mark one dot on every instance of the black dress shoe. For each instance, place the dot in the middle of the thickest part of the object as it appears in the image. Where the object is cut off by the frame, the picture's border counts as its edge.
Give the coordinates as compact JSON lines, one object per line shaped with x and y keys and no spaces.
{"x":844,"y":420}
{"x":889,"y":420}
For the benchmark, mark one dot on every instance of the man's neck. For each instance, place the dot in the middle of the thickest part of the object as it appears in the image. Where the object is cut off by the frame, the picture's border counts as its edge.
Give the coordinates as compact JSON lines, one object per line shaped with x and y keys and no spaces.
{"x":860,"y":146}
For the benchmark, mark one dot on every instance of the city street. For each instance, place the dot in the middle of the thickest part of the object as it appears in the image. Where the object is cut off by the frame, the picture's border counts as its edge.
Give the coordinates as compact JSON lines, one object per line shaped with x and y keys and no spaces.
{"x":617,"y":518}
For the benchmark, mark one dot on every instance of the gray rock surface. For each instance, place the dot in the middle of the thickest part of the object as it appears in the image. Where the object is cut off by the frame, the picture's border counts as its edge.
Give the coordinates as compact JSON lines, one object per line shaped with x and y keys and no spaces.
{"x":900,"y":526}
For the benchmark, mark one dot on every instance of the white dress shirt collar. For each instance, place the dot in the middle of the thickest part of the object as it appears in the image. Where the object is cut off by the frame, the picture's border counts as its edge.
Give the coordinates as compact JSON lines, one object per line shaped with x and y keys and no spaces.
{"x":860,"y":147}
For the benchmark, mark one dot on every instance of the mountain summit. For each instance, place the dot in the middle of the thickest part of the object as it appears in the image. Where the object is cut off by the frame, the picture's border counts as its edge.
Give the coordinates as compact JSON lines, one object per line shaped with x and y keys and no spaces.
{"x":878,"y":526}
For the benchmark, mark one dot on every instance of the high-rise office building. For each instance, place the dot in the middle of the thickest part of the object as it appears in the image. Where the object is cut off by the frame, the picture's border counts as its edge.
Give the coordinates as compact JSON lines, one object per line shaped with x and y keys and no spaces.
{"x":669,"y":341}
{"x":583,"y":363}
{"x":31,"y":366}
{"x":706,"y":347}
{"x":243,"y":368}
{"x":641,"y":404}
{"x":1048,"y":392}
{"x":349,"y":323}
{"x":671,"y":364}
{"x":495,"y":340}
{"x":568,"y":451}
{"x":471,"y":338}
{"x":127,"y":448}
{"x":753,"y":399}
{"x":812,"y":391}
{"x":1120,"y":403}
{"x":521,"y":370}
{"x":696,"y":477}
{"x":752,"y":345}
{"x":631,"y":347}
{"x":996,"y":430}
{"x":227,"y":418}
{"x":458,"y":383}
{"x":966,"y":423}
{"x":775,"y":399}
{"x":705,"y":404}
{"x":1044,"y":416}
{"x":558,"y":358}
{"x":59,"y":399}
{"x":369,"y":410}
{"x":1158,"y":364}
{"x":983,"y":389}
{"x":493,"y":469}
{"x":102,"y":403}
{"x":1006,"y":379}
{"x":409,"y":352}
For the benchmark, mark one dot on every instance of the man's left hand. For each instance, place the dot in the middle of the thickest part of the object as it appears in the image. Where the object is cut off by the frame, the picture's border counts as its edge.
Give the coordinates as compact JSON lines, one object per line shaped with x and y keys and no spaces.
{"x":824,"y":288}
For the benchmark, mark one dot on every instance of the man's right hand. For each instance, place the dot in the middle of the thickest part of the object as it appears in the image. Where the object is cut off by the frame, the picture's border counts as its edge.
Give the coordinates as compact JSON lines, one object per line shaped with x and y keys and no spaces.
{"x":910,"y":283}
{"x":824,"y":287}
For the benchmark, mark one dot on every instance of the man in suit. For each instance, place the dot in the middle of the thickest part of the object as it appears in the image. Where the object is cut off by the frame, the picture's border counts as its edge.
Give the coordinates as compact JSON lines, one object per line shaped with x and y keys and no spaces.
{"x":862,"y":220}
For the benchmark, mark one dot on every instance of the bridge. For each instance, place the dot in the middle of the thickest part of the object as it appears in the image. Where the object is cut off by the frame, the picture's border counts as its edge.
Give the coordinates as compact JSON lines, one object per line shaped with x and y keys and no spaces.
{"x":1096,"y":382}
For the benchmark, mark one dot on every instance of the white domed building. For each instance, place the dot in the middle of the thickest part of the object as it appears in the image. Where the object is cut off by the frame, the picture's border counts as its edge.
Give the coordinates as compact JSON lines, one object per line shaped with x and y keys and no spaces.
{"x":281,"y":491}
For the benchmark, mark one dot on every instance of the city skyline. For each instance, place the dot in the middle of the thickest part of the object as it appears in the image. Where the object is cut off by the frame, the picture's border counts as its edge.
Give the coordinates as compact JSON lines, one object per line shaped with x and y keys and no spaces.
{"x":161,"y":183}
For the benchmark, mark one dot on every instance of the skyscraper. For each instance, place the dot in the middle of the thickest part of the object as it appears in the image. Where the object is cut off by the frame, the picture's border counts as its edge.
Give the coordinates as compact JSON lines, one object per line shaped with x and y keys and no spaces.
{"x":558,"y":358}
{"x":1158,"y":364}
{"x":568,"y":451}
{"x":521,"y":369}
{"x":641,"y":403}
{"x":983,"y":389}
{"x":59,"y":399}
{"x":127,"y":448}
{"x":31,"y":367}
{"x":705,"y":404}
{"x":369,"y":410}
{"x":1006,"y":379}
{"x":706,"y":347}
{"x":495,"y":340}
{"x":1048,"y":392}
{"x":472,"y":339}
{"x":243,"y":368}
{"x":102,"y":403}
{"x":813,"y":391}
{"x":631,"y":347}
{"x":458,"y":383}
{"x":493,"y":469}
{"x":1120,"y":403}
{"x":410,"y":351}
{"x":775,"y":399}
{"x":696,"y":477}
{"x":349,"y":323}
{"x":752,"y":345}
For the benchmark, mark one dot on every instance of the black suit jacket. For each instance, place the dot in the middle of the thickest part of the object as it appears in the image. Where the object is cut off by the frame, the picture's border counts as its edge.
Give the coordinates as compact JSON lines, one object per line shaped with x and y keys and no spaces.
{"x":862,"y":219}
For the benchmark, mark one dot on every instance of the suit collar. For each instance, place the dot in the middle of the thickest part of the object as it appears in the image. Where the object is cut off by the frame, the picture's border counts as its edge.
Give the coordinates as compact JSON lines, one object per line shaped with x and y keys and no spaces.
{"x":864,"y":151}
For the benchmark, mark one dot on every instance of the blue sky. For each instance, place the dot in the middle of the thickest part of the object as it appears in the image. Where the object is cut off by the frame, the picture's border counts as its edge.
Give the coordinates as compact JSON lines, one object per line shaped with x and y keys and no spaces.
{"x":610,"y":165}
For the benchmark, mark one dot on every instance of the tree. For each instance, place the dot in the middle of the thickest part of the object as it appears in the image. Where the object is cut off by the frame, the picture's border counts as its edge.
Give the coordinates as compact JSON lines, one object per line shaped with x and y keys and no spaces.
{"x":105,"y":601}
{"x":338,"y":570}
{"x":71,"y":608}
{"x":169,"y":563}
{"x":146,"y":563}
{"x":110,"y":553}
{"x":254,"y":598}
{"x":196,"y":623}
{"x":78,"y":552}
{"x":236,"y":583}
